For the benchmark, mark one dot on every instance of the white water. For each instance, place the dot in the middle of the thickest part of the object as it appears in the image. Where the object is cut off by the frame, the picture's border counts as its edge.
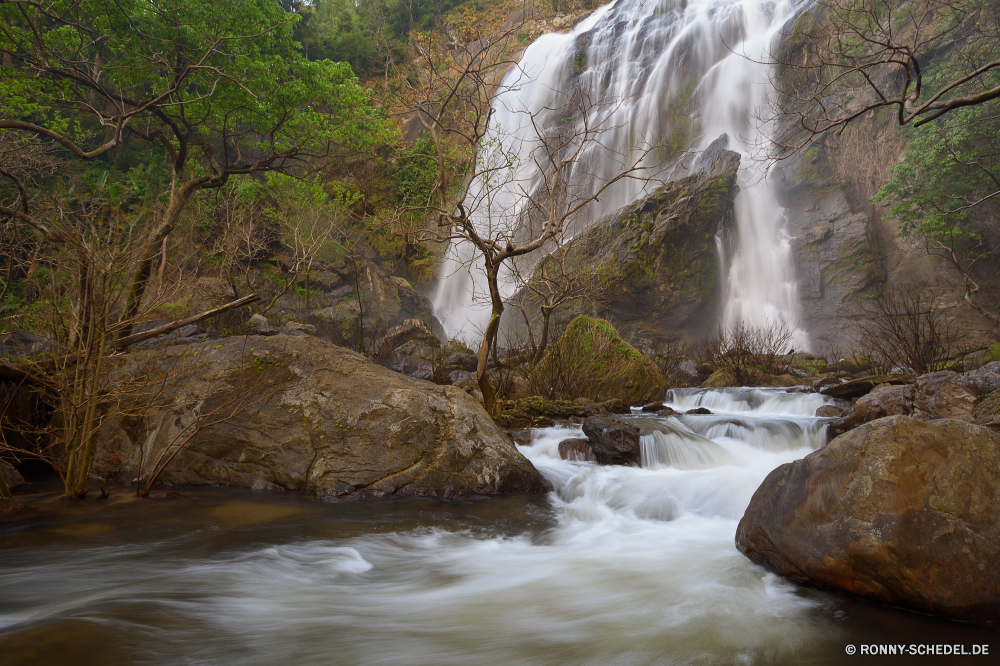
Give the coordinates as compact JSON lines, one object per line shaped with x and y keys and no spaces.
{"x":642,"y":57}
{"x":621,"y":565}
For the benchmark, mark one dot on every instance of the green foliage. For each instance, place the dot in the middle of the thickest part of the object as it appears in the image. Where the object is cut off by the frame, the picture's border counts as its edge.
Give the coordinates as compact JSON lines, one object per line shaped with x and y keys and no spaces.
{"x":949,"y":169}
{"x":370,"y":35}
{"x":201,"y":72}
{"x":416,"y":174}
{"x":591,"y":360}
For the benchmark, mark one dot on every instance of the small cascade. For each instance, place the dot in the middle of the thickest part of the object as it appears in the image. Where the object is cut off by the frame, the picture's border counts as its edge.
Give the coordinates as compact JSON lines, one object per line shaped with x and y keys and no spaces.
{"x":672,"y":73}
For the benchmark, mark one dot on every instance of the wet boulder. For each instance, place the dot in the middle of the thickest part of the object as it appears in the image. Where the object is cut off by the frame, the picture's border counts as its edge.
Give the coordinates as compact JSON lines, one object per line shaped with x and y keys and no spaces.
{"x":11,"y":510}
{"x":988,"y":411}
{"x":945,"y":395}
{"x":885,"y":400}
{"x":612,"y":441}
{"x":11,"y":476}
{"x":829,"y":411}
{"x":324,"y":420}
{"x":863,"y":386}
{"x":578,"y":450}
{"x":899,"y":510}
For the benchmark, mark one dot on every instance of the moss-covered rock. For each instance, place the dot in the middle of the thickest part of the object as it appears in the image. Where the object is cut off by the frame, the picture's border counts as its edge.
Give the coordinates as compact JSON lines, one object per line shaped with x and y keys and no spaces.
{"x":594,"y":362}
{"x":658,"y":256}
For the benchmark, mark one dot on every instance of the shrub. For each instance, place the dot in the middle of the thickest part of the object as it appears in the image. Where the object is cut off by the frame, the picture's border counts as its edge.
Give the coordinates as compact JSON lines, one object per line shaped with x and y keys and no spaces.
{"x":747,"y":352}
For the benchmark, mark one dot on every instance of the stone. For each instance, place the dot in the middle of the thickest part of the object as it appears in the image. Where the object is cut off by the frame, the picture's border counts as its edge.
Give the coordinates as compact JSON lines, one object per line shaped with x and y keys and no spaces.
{"x":258,"y":320}
{"x":654,"y":406}
{"x":602,"y":365}
{"x":577,"y":450}
{"x":613,"y":442}
{"x":720,"y":378}
{"x":899,"y":511}
{"x":661,"y":254}
{"x":11,"y":510}
{"x":699,"y":410}
{"x":411,"y":329}
{"x":329,"y":422}
{"x":308,"y":329}
{"x":11,"y":475}
{"x":988,"y":411}
{"x":667,"y":411}
{"x":829,"y":411}
{"x":945,"y":395}
{"x":856,"y":388}
{"x":885,"y":400}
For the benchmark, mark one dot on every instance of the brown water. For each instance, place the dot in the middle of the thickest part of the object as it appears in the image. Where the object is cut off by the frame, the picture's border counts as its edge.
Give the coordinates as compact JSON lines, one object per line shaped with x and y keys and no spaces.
{"x":620,"y":565}
{"x":224,"y":577}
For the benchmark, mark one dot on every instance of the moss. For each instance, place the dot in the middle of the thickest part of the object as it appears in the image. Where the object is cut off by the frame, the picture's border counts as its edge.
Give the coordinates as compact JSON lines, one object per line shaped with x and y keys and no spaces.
{"x":602,"y":365}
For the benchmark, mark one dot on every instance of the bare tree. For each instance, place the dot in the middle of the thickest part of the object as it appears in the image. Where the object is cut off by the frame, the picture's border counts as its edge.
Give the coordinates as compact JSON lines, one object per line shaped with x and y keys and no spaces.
{"x":746,"y":352}
{"x":555,"y":281}
{"x":863,"y":55}
{"x":900,"y":329}
{"x":88,"y":252}
{"x":551,"y":190}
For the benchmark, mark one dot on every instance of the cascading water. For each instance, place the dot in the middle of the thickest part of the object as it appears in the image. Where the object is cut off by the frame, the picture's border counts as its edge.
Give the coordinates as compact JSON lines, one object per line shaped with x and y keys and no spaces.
{"x":671,"y":73}
{"x":620,"y":565}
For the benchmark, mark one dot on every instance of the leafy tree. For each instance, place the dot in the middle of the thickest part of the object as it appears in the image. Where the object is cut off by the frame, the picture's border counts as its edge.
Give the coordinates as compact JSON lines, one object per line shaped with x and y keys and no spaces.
{"x":220,"y":92}
{"x":946,"y":191}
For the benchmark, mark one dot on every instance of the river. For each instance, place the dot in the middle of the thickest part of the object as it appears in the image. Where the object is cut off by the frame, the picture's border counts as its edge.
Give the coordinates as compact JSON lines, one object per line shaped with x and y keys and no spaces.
{"x":620,"y":565}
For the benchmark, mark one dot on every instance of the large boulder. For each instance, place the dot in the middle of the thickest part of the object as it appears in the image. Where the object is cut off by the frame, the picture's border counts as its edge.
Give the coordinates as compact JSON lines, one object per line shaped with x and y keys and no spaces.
{"x":899,"y":510}
{"x":945,"y":395}
{"x":863,"y":386}
{"x":591,"y":360}
{"x":935,"y":395}
{"x":612,"y":442}
{"x":885,"y":400}
{"x":328,"y":421}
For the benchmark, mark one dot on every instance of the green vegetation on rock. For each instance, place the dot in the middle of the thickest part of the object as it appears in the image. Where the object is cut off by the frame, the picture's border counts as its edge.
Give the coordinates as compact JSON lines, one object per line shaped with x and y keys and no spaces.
{"x":592,"y":361}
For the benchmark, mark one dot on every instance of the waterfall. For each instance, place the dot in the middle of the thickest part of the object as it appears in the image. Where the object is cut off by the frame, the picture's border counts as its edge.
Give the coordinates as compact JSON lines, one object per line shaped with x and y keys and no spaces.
{"x":679,"y":73}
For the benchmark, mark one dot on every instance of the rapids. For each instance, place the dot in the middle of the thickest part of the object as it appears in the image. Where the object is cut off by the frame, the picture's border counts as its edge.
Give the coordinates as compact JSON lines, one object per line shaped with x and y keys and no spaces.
{"x":619,"y":565}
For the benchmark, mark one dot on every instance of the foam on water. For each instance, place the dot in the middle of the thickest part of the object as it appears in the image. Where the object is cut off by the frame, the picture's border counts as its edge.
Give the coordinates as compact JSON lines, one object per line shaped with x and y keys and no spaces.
{"x":638,"y":566}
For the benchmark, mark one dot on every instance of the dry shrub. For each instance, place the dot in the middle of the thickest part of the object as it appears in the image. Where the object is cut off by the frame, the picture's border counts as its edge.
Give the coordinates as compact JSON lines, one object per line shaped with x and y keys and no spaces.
{"x":900,"y":330}
{"x":668,"y":356}
{"x":748,"y":352}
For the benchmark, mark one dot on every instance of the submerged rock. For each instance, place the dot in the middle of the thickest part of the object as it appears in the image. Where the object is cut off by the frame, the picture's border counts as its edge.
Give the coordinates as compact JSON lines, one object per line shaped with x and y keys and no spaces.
{"x":576,"y":449}
{"x":328,"y":421}
{"x":613,"y":442}
{"x":899,"y":510}
{"x":11,"y":510}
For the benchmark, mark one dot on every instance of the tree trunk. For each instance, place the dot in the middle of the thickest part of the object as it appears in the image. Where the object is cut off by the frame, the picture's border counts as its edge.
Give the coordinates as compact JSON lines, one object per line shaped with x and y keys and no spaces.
{"x":546,"y":314}
{"x":144,"y":269}
{"x":489,"y":395}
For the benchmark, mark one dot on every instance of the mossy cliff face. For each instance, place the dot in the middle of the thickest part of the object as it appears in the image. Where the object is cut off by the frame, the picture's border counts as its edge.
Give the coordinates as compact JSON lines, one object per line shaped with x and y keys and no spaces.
{"x":658,"y":257}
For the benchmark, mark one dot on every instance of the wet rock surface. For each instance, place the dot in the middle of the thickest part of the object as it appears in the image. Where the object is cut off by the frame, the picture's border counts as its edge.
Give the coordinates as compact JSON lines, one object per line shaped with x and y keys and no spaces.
{"x":576,"y":449}
{"x":612,"y":441}
{"x":899,"y":510}
{"x":971,"y":396}
{"x":11,"y":510}
{"x":330,"y":422}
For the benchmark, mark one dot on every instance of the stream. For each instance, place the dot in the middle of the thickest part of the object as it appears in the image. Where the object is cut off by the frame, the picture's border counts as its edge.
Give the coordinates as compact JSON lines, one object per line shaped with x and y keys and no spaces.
{"x":619,"y":565}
